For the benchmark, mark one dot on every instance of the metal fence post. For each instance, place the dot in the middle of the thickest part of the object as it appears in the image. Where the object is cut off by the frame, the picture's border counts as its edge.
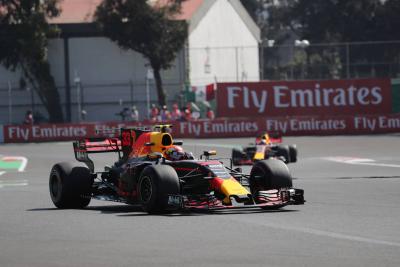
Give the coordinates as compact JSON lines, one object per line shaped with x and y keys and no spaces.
{"x":9,"y":103}
{"x":262,"y":60}
{"x":131,"y":90}
{"x":237,"y":63}
{"x":77,"y":81}
{"x":347,"y":60}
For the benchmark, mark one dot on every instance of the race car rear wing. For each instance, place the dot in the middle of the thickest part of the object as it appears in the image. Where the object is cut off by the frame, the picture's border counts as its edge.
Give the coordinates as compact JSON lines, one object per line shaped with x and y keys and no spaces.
{"x":275,"y":137}
{"x":84,"y":147}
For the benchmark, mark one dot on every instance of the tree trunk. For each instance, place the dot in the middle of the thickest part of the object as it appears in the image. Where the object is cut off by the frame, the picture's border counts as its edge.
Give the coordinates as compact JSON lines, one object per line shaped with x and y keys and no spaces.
{"x":160,"y":90}
{"x":43,"y":83}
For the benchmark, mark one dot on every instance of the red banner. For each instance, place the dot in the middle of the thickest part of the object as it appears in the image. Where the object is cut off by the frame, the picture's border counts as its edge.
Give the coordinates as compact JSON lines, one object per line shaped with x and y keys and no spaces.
{"x":294,"y":98}
{"x":221,"y":128}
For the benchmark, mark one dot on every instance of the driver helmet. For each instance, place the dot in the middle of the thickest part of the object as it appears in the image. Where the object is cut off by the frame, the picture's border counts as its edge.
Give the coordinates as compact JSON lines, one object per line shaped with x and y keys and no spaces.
{"x":262,"y":142}
{"x":174,"y":153}
{"x":265,"y":139}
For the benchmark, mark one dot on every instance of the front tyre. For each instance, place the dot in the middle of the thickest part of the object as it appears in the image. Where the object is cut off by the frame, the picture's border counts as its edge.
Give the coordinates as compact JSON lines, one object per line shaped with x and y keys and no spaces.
{"x":269,"y":174}
{"x":237,"y":155}
{"x":70,"y":185}
{"x":293,"y":153}
{"x":283,"y":151}
{"x":155,"y":185}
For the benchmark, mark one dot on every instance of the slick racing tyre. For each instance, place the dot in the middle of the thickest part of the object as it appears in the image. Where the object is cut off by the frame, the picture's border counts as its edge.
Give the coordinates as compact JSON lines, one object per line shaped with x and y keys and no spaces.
{"x":237,"y":155}
{"x":293,"y":153}
{"x":269,"y":174}
{"x":284,"y":152}
{"x":156,"y":183}
{"x":70,"y":185}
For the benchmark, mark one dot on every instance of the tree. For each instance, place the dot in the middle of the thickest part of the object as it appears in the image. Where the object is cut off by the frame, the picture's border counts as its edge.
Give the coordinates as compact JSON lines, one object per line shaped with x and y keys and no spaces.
{"x":322,"y":21}
{"x":347,"y":20}
{"x":149,"y":30}
{"x":252,"y":7}
{"x":24,"y":34}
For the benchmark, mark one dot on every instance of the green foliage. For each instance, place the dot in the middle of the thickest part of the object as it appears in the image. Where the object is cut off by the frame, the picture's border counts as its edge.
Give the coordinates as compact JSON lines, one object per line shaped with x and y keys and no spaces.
{"x":148,"y":30}
{"x":252,"y":7}
{"x":24,"y":33}
{"x":322,"y":21}
{"x":347,"y":20}
{"x":330,"y":25}
{"x":24,"y":30}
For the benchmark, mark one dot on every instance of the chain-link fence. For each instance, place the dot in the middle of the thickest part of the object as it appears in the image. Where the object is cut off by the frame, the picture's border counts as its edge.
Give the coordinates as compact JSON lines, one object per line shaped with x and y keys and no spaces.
{"x":227,"y":64}
{"x":330,"y":61}
{"x":94,"y":102}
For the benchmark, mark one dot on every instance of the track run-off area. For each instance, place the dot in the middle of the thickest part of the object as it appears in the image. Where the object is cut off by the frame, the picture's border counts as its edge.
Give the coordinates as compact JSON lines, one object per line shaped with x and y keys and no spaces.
{"x":351,"y":217}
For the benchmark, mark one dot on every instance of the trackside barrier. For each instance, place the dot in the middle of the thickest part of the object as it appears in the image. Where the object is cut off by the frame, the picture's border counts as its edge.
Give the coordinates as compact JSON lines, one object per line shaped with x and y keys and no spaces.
{"x":219,"y":128}
{"x":1,"y":134}
{"x":305,"y":98}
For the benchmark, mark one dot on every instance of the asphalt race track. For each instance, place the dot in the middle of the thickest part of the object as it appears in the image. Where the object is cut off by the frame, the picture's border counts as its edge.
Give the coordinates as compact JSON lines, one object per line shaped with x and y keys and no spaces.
{"x":351,"y":218}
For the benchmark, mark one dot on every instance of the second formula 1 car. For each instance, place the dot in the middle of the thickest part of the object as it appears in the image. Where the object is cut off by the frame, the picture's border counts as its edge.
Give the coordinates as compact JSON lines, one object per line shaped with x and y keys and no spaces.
{"x":154,"y":172}
{"x":266,"y":146}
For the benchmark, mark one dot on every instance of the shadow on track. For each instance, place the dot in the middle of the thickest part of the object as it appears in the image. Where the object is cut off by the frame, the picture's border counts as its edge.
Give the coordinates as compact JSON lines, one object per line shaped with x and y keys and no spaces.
{"x":135,"y":211}
{"x":369,"y":177}
{"x":212,"y":213}
{"x":42,"y":209}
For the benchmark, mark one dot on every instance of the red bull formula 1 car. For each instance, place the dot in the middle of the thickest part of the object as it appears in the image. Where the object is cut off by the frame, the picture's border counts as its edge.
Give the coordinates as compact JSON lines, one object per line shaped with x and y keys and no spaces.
{"x":154,"y":172}
{"x":266,"y":146}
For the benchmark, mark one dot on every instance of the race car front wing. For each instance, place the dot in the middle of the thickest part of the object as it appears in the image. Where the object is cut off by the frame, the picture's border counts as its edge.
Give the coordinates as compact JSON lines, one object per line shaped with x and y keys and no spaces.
{"x":272,"y":199}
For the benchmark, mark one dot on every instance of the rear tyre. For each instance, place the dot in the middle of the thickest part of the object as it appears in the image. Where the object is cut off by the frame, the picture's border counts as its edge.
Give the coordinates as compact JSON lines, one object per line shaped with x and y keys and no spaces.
{"x":155,"y":185}
{"x":284,"y":152}
{"x":293,"y":153}
{"x":70,"y":185}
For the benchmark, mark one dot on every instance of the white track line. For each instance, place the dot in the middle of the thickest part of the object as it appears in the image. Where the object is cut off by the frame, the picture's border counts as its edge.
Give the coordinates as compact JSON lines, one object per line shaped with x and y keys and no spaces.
{"x":340,"y":236}
{"x":4,"y":184}
{"x":323,"y":233}
{"x":360,"y":161}
{"x":22,"y":159}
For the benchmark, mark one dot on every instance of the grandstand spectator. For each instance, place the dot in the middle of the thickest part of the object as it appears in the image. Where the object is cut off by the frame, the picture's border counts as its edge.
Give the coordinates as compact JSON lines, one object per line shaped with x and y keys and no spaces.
{"x":187,"y":114}
{"x":134,"y":114}
{"x":154,"y":113}
{"x":176,"y":113}
{"x":210,"y":114}
{"x":165,"y":114}
{"x":124,"y":113}
{"x":28,"y":118}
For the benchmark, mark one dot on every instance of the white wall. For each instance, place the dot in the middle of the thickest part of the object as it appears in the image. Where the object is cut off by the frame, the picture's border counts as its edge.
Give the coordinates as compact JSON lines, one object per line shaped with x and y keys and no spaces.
{"x":233,"y":50}
{"x":106,"y":73}
{"x":21,"y":100}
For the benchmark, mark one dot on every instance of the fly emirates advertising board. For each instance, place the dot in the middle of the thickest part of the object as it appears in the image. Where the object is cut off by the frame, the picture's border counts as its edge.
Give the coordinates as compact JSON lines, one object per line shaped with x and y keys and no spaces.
{"x":298,"y":98}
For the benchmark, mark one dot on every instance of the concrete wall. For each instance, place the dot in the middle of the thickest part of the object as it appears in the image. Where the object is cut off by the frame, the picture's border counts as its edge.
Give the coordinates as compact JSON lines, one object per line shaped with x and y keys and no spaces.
{"x":233,"y":53}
